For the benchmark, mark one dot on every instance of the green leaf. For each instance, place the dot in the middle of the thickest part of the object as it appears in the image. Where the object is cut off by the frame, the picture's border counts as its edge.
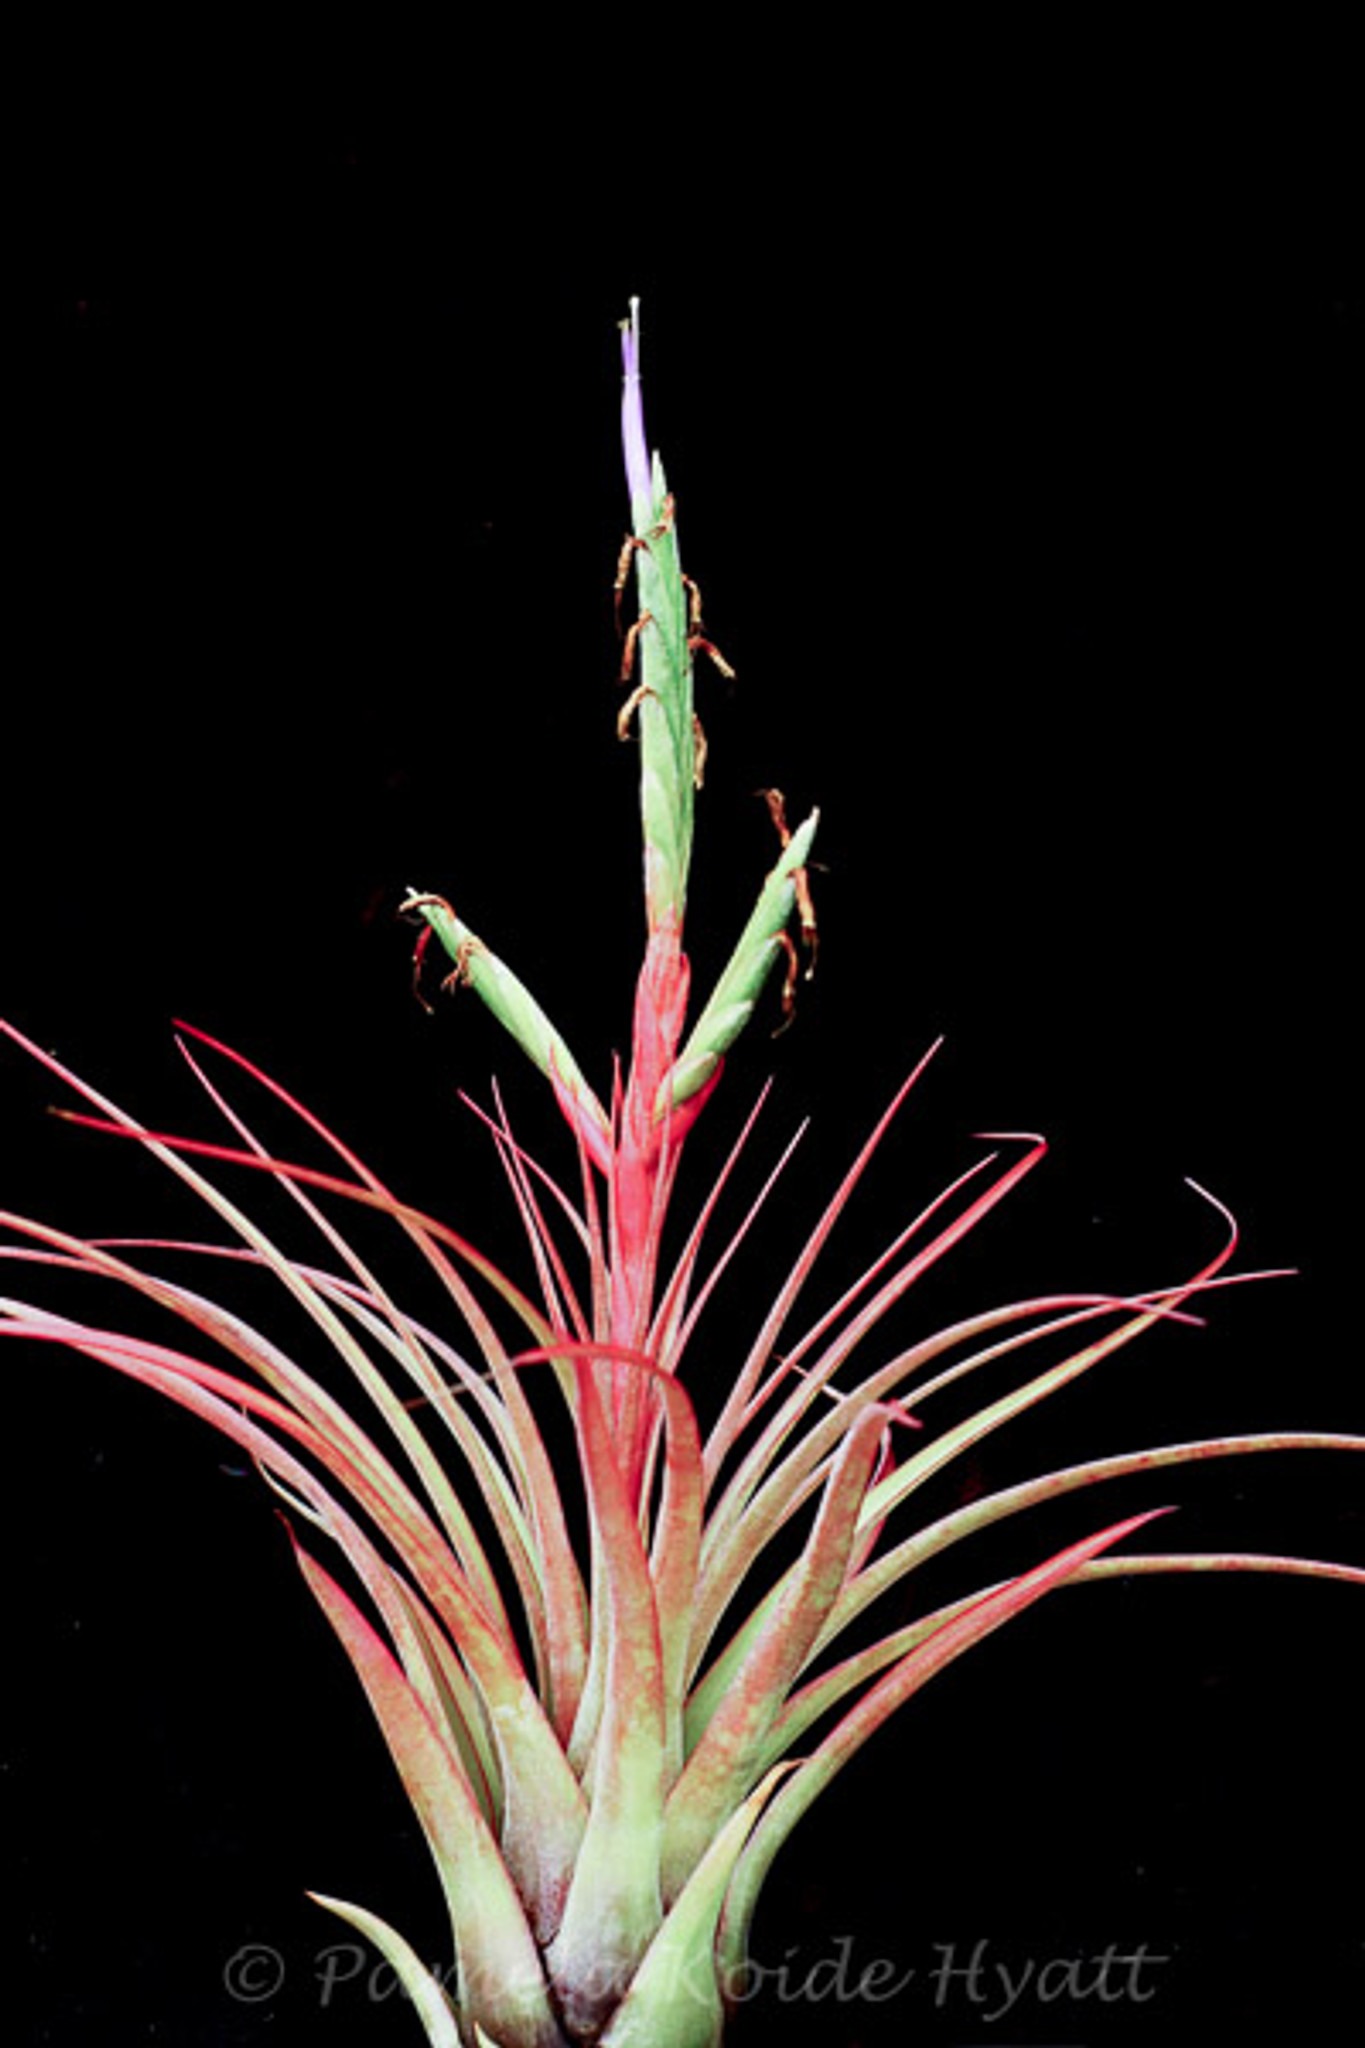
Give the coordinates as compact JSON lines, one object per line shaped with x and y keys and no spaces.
{"x":931,"y":1541}
{"x":429,"y":2000}
{"x":614,"y":1907}
{"x":500,"y":1972}
{"x":812,"y":1777}
{"x":722,"y":1766}
{"x":674,"y":2000}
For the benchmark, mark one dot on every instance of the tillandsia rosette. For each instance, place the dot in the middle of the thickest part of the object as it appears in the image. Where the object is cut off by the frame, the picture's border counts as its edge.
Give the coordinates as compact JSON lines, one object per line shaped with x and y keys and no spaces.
{"x":607,"y":1740}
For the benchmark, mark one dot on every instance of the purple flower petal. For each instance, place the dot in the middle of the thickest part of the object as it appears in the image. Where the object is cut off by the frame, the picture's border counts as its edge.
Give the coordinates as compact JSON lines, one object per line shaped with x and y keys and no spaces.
{"x":633,"y":421}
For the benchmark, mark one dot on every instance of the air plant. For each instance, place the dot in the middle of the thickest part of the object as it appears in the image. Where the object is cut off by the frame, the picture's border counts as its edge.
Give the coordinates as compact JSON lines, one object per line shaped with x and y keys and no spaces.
{"x":609,"y":1652}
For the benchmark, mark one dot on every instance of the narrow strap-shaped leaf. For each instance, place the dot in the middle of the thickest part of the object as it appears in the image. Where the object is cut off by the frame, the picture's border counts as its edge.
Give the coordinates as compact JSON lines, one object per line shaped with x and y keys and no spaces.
{"x":175,"y":1152}
{"x":202,"y":1391}
{"x":346,"y":1454}
{"x":1133,"y":1565}
{"x":502,"y":1979}
{"x":429,"y":2000}
{"x":496,"y":1488}
{"x":817,"y":1698}
{"x":558,"y":1294}
{"x":543,"y":1807}
{"x":457,"y":1708}
{"x":493,"y":1483}
{"x":733,"y":1415}
{"x":351,"y":1453}
{"x":434,"y":1239}
{"x":673,"y":1561}
{"x":814,"y":1775}
{"x":498,"y":1396}
{"x":734,"y":1507}
{"x":677,"y":1313}
{"x":677,"y":1536}
{"x":613,"y":1907}
{"x":676,"y":1997}
{"x":453,"y":1519}
{"x":740,"y":1524}
{"x":893,"y":1565}
{"x":953,"y":1442}
{"x":720,"y":1770}
{"x":770,"y":1509}
{"x":802,"y":1470}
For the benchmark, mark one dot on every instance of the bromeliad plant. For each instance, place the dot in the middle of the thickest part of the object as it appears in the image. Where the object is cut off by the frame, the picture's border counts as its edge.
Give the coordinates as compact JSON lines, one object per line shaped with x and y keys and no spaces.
{"x":613,"y":1682}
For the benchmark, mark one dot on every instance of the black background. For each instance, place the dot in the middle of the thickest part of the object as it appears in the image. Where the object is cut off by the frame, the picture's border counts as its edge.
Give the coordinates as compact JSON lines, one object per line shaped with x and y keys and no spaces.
{"x":1019,"y":476}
